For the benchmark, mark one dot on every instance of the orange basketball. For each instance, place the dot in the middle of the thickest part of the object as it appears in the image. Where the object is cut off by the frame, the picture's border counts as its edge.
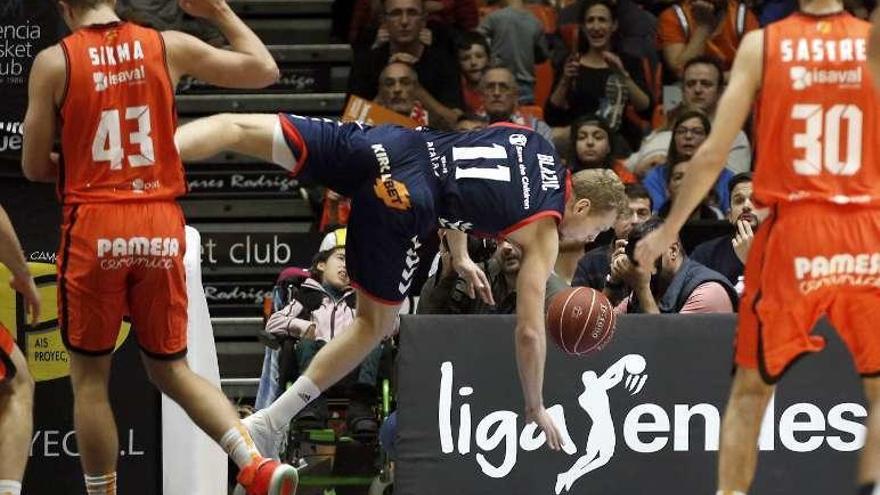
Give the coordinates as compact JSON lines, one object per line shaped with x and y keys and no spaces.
{"x":581,"y":320}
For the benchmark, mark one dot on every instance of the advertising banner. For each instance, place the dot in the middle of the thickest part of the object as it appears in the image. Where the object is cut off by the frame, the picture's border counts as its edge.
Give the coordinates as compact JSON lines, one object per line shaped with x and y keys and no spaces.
{"x":641,"y":416}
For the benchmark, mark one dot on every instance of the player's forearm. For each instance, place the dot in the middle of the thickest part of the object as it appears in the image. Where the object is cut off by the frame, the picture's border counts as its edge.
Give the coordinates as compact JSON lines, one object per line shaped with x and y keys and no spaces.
{"x":457,"y":241}
{"x":243,"y":40}
{"x":531,"y":355}
{"x":10,"y":249}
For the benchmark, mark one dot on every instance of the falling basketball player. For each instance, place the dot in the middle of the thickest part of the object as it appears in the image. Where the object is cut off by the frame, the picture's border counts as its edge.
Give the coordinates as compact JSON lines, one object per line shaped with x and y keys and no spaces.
{"x":505,"y":180}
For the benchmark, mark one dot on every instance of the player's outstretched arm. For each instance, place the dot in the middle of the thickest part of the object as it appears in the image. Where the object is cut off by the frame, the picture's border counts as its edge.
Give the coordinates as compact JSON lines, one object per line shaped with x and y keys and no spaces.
{"x":540,"y":246}
{"x":45,"y":85}
{"x":709,"y":160}
{"x":874,"y":48}
{"x":12,"y":256}
{"x":250,"y":134}
{"x":247,"y":65}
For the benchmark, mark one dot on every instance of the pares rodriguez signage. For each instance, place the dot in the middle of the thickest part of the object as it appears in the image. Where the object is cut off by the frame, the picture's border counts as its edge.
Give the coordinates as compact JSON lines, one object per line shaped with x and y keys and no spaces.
{"x":643,"y":416}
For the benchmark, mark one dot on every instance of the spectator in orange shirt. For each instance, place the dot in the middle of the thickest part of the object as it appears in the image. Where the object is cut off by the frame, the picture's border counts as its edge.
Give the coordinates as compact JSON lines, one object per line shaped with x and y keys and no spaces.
{"x":703,"y":27}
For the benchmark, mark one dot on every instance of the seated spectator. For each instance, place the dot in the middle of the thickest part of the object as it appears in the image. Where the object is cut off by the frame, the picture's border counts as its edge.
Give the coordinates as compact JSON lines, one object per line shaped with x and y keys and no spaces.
{"x":518,"y":43}
{"x":676,"y":284}
{"x":447,"y":293}
{"x":636,"y":27}
{"x":471,"y":122}
{"x":430,"y":53}
{"x":727,"y":254}
{"x":473,"y":60}
{"x":500,"y":96}
{"x":703,"y":27}
{"x":319,"y":312}
{"x":596,"y":79}
{"x":689,"y":132}
{"x":592,"y":145}
{"x":398,"y":84}
{"x":702,"y":85}
{"x":594,"y":267}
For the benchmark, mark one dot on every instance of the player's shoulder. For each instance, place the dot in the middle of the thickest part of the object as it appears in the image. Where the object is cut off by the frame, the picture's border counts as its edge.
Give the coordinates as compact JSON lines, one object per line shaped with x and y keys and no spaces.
{"x":50,"y":61}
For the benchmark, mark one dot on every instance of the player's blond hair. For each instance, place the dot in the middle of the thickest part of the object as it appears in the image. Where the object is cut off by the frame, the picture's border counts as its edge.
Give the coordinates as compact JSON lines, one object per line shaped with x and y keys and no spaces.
{"x":602,"y":187}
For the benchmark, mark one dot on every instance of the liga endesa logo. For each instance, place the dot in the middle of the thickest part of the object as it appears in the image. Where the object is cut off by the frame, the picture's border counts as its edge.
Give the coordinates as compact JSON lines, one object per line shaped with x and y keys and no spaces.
{"x":647,"y":428}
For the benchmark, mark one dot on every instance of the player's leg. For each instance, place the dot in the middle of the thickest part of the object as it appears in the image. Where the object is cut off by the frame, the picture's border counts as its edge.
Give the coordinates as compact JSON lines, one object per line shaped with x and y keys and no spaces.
{"x":16,"y":421}
{"x":854,"y":314}
{"x":157,"y":300}
{"x":384,"y":235}
{"x":96,"y":434}
{"x":738,"y":455}
{"x":764,"y":327}
{"x":372,"y":322}
{"x":91,"y":298}
{"x":869,"y":463}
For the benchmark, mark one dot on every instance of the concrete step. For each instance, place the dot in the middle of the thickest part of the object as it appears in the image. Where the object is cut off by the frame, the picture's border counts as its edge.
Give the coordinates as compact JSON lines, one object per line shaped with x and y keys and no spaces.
{"x":275,"y":31}
{"x":317,"y":103}
{"x":281,"y":7}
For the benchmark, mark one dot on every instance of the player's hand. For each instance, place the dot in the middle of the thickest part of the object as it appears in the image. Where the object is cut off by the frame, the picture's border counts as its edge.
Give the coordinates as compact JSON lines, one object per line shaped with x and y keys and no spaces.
{"x":205,"y":9}
{"x":23,"y":283}
{"x":653,"y":245}
{"x":544,"y":421}
{"x":477,"y":283}
{"x":742,"y":241}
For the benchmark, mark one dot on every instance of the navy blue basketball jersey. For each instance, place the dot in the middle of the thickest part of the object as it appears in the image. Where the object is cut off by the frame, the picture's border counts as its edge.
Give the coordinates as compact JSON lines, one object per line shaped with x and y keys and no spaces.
{"x":405,"y":183}
{"x":495,"y":180}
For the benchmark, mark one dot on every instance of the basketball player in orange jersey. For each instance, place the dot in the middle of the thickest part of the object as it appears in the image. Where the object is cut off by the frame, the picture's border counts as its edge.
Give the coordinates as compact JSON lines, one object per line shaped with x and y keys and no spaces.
{"x":818,"y":252}
{"x":108,"y":89}
{"x":16,"y":384}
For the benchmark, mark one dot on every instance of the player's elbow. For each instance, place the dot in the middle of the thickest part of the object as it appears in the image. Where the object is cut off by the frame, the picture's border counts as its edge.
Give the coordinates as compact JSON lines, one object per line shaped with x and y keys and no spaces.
{"x":261,"y":72}
{"x":35,"y":173}
{"x":528,"y":336}
{"x":269,"y":72}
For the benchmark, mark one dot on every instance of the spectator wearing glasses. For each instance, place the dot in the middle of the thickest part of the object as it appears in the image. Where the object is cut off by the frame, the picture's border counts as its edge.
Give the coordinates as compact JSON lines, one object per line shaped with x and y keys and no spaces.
{"x":688,"y":133}
{"x":406,"y":39}
{"x":702,"y":85}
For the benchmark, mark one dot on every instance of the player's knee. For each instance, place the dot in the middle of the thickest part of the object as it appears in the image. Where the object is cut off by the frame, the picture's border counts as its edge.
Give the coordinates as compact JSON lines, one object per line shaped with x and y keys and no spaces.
{"x":24,"y":384}
{"x":377,"y":326}
{"x":164,"y":375}
{"x":750,"y":386}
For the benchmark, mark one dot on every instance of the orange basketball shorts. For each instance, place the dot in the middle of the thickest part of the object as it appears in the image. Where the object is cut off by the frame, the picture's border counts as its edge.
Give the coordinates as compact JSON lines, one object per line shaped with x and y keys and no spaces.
{"x":806,"y":261}
{"x":7,"y":345}
{"x":118,"y":258}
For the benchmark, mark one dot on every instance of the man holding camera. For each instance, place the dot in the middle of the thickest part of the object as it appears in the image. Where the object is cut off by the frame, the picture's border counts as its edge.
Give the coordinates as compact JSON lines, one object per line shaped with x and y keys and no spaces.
{"x":675,"y":284}
{"x":447,"y":293}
